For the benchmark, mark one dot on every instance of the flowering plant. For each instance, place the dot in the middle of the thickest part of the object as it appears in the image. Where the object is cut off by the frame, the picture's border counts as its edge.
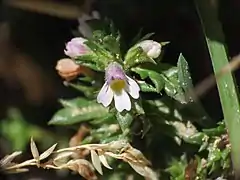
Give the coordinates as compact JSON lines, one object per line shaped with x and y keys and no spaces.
{"x":115,"y":74}
{"x":127,"y":76}
{"x":128,"y":95}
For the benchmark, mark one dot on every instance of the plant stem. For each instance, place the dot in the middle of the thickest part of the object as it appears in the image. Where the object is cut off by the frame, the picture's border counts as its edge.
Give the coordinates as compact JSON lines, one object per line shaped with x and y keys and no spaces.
{"x":208,"y":13}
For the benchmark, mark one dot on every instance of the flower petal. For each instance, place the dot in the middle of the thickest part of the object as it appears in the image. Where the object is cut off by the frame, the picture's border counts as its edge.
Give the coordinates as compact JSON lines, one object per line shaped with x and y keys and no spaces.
{"x":154,"y":52}
{"x":76,"y":47}
{"x":133,"y":88}
{"x":68,"y":53}
{"x":105,"y":95}
{"x":78,"y":40}
{"x":152,"y":48}
{"x":122,"y":101}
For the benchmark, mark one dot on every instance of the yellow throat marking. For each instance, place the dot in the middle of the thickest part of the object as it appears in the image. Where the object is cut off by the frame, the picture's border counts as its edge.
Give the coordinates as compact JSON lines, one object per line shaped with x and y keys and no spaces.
{"x":118,"y":85}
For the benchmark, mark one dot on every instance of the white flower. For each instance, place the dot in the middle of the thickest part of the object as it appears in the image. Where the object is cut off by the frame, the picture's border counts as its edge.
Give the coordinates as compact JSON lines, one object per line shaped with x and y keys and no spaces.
{"x":151,"y":48}
{"x":76,"y":47}
{"x":117,"y":86}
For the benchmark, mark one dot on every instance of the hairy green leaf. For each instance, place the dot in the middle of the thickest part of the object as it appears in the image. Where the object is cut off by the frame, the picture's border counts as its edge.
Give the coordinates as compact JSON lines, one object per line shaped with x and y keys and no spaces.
{"x":124,"y":119}
{"x":219,"y":130}
{"x":98,"y":36}
{"x":172,"y":85}
{"x":97,"y":66}
{"x":112,"y":45}
{"x":103,"y":55}
{"x":136,"y":56}
{"x":184,"y":76}
{"x":156,"y":78}
{"x":86,"y":90}
{"x":197,"y":138}
{"x":76,"y":102}
{"x":146,"y":87}
{"x":72,"y":115}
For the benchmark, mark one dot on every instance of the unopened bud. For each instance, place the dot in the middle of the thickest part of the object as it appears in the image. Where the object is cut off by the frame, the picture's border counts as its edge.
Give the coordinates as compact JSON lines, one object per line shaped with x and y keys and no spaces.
{"x":151,"y":48}
{"x":76,"y":47}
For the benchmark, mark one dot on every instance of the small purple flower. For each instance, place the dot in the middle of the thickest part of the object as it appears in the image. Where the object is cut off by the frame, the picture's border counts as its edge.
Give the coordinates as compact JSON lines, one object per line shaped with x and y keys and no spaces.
{"x":117,"y":86}
{"x":151,"y":48}
{"x":76,"y":47}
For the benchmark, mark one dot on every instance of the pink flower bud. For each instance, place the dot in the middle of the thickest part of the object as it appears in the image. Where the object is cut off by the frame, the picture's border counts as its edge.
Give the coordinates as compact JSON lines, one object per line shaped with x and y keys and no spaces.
{"x":76,"y":47}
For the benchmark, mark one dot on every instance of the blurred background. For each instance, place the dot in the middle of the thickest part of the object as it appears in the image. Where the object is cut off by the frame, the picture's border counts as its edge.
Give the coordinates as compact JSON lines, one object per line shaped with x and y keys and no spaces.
{"x":33,"y":34}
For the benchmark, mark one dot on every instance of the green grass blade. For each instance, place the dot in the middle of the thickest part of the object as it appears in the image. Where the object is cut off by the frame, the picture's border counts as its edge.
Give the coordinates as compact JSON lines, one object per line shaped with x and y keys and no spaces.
{"x":208,"y":12}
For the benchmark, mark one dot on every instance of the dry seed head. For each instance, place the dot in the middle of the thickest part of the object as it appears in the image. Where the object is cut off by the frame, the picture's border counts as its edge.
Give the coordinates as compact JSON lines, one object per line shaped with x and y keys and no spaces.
{"x":117,"y":149}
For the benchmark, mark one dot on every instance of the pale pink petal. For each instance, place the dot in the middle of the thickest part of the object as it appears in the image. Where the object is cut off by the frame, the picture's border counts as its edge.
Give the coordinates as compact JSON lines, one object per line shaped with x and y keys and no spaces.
{"x":133,"y":88}
{"x":76,"y":47}
{"x":122,"y":101}
{"x":67,"y":53}
{"x":105,"y":95}
{"x":78,"y":40}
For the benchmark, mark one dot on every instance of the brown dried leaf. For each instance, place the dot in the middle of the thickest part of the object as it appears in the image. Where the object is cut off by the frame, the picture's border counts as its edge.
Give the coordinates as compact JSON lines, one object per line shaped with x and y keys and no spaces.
{"x":48,"y":152}
{"x":138,"y":168}
{"x":129,"y":158}
{"x":116,"y":156}
{"x":83,"y":167}
{"x":63,"y":155}
{"x":104,"y":161}
{"x":78,"y":137}
{"x":132,"y":152}
{"x":118,"y":145}
{"x":84,"y":172}
{"x":191,"y":170}
{"x":144,"y":171}
{"x":151,"y":174}
{"x":61,"y":158}
{"x":81,"y":153}
{"x":34,"y":150}
{"x":8,"y":159}
{"x":96,"y":161}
